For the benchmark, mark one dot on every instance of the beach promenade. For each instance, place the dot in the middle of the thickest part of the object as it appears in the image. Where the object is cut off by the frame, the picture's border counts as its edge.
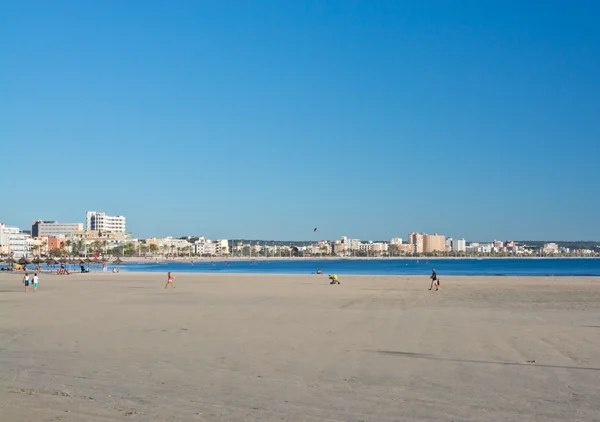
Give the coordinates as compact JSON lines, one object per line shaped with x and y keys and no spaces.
{"x":223,"y":347}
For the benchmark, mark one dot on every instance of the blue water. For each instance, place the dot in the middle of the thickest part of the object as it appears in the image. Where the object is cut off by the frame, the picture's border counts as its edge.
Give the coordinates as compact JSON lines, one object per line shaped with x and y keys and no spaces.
{"x":476,"y":267}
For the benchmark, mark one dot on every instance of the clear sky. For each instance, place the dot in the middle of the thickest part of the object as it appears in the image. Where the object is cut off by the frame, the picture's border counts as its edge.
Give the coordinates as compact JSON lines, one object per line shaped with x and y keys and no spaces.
{"x":265,"y":119}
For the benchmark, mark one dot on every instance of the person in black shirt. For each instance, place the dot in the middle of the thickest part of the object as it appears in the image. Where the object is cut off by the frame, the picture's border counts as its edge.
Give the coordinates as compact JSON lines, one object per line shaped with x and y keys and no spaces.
{"x":434,"y":281}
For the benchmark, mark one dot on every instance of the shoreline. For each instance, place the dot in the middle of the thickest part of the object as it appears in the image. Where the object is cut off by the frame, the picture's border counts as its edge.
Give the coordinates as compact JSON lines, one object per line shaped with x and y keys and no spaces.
{"x":481,"y":267}
{"x":75,"y":274}
{"x":138,"y":260}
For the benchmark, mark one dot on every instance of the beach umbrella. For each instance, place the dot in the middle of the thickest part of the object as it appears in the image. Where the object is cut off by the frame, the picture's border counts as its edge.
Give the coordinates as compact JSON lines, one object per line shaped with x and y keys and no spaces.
{"x":50,"y":262}
{"x":24,"y":261}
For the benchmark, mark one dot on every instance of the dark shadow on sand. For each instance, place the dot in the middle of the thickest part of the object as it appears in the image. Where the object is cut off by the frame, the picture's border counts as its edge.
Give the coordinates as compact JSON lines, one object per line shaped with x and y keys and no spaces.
{"x":483,"y":362}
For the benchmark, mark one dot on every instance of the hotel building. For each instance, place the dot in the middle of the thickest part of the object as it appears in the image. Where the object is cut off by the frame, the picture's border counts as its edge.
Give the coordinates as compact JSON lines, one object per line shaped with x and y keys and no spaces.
{"x":434,"y":243}
{"x":104,"y":223}
{"x":41,"y":228}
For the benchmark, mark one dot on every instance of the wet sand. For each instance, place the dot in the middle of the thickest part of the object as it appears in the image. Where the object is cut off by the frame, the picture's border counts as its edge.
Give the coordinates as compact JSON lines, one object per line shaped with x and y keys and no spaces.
{"x":103,"y":347}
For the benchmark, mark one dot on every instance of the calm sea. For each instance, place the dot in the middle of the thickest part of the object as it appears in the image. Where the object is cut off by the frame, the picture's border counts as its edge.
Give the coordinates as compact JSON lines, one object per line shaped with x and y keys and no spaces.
{"x":478,"y":267}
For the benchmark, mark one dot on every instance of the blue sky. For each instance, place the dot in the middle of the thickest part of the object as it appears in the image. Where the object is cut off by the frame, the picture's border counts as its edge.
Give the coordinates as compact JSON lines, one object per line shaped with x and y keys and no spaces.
{"x":265,"y":119}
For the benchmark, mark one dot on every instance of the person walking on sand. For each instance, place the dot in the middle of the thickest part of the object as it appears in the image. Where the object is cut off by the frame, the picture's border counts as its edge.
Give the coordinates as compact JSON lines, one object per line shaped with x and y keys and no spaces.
{"x":434,"y":281}
{"x":26,"y":281}
{"x":169,"y":280}
{"x":36,"y":279}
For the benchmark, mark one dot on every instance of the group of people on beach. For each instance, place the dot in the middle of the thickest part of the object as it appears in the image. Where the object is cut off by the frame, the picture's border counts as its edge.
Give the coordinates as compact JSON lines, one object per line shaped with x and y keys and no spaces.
{"x":332,"y":277}
{"x":34,"y":282}
{"x":435,"y":281}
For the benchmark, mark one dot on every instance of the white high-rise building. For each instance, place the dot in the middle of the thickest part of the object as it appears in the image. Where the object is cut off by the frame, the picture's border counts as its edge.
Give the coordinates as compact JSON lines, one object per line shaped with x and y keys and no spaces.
{"x":104,"y":223}
{"x":211,"y":247}
{"x":14,"y":242}
{"x":350,"y":244}
{"x":459,"y":245}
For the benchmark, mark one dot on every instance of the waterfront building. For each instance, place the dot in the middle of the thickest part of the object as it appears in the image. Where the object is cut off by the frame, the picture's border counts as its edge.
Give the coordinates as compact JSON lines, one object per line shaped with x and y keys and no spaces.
{"x":416,"y":239}
{"x":351,"y":244}
{"x":459,"y":245}
{"x":104,"y":223}
{"x":41,"y":228}
{"x":434,"y":243}
{"x":55,"y":243}
{"x":396,"y":241}
{"x":550,"y":248}
{"x":15,"y":242}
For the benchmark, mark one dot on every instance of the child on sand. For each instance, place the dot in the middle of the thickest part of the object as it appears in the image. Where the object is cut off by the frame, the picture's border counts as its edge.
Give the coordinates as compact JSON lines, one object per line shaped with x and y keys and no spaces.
{"x":169,"y":280}
{"x":26,"y":281}
{"x":36,"y":279}
{"x":334,"y":279}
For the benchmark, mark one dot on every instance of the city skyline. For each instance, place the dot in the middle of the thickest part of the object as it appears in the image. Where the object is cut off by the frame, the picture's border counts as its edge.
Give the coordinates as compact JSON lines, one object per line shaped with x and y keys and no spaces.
{"x":311,"y":235}
{"x":55,"y":228}
{"x":267,"y":120}
{"x":107,"y":234}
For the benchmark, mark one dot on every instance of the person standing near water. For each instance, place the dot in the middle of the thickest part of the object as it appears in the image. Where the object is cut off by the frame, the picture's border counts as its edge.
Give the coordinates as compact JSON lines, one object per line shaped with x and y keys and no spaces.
{"x":169,"y":280}
{"x":36,"y":279}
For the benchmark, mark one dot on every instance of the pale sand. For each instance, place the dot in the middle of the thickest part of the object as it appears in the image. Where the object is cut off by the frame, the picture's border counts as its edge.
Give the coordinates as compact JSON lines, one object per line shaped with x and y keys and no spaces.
{"x":293,"y":348}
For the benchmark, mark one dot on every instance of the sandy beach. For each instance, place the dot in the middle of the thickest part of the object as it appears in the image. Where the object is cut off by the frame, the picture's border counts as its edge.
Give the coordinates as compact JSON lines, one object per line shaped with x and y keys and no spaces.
{"x":104,"y":347}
